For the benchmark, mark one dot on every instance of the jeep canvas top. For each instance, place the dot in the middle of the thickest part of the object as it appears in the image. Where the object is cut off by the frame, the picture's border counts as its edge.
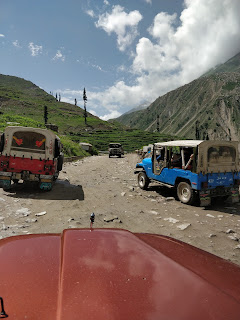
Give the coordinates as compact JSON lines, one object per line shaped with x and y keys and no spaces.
{"x":29,"y":154}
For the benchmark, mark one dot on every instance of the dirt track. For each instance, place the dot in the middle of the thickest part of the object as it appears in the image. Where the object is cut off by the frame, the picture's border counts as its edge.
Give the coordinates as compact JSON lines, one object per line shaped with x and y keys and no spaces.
{"x":108,"y":187}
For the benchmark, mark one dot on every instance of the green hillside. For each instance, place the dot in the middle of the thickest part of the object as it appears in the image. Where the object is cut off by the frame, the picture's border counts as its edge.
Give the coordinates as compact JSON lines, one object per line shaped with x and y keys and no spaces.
{"x":22,"y":103}
{"x":23,"y":98}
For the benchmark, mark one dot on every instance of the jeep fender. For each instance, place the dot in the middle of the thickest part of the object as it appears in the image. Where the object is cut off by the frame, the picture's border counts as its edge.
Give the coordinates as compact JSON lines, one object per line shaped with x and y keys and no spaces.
{"x":139,"y":168}
{"x":180,"y":179}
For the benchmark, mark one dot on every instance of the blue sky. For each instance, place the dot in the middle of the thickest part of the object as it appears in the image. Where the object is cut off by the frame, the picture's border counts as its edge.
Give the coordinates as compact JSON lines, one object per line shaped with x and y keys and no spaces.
{"x":124,"y":53}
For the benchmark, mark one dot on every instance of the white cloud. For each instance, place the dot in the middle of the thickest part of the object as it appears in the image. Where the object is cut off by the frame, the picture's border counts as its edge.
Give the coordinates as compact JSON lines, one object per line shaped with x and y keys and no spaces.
{"x":123,"y":24}
{"x":93,"y":112}
{"x":16,"y":44}
{"x":208,"y":34}
{"x":2,"y":35}
{"x":106,"y":2}
{"x":59,"y":56}
{"x":148,"y":1}
{"x":175,"y":53}
{"x":111,"y":115}
{"x":90,"y":13}
{"x":35,"y":49}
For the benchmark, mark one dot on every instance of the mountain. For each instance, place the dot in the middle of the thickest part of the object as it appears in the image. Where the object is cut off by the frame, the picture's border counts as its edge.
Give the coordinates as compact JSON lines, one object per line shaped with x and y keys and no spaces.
{"x":209,"y":106}
{"x":232,"y":65}
{"x":138,"y":108}
{"x":19,"y":97}
{"x":22,"y":103}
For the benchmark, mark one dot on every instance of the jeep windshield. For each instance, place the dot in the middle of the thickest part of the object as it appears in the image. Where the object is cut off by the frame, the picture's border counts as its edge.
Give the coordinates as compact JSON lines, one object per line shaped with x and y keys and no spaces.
{"x":115,"y":145}
{"x":26,"y":140}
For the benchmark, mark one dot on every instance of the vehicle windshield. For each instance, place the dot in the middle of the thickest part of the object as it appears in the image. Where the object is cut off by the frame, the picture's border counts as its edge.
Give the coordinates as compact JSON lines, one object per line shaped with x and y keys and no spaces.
{"x":114,"y":145}
{"x":33,"y":141}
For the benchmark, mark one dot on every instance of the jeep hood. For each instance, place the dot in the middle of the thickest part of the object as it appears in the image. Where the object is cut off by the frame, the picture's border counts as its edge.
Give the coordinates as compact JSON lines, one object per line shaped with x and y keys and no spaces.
{"x":114,"y":274}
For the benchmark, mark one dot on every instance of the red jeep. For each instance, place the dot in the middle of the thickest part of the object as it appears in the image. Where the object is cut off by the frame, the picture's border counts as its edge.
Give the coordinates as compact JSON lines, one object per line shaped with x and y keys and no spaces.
{"x":29,"y":154}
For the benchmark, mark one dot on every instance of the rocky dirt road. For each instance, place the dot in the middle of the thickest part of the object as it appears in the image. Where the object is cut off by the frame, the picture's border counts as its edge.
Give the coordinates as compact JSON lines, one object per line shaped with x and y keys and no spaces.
{"x":108,"y":187}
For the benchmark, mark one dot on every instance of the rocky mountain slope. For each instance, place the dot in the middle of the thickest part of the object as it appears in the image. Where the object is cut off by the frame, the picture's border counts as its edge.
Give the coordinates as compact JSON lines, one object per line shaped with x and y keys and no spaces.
{"x":208,"y":107}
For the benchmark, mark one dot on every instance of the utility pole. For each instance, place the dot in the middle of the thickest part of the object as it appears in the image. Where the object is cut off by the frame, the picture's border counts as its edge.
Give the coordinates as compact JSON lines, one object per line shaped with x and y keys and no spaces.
{"x":45,"y":114}
{"x":85,"y":101}
{"x":158,"y":123}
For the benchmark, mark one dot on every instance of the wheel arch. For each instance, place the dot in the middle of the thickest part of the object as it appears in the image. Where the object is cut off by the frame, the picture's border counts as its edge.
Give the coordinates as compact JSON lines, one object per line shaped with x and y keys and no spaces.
{"x":180,"y":179}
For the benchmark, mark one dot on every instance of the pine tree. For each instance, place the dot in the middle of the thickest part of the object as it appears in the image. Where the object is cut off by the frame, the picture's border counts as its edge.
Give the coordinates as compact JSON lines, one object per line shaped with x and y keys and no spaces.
{"x":85,"y":101}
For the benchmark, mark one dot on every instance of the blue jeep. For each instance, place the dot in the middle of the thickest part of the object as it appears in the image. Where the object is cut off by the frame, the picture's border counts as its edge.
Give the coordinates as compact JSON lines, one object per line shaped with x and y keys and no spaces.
{"x":197,"y":169}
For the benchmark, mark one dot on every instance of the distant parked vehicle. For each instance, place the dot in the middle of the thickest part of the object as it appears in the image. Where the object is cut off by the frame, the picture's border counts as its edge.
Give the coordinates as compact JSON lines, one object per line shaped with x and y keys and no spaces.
{"x":29,"y":154}
{"x":197,"y":169}
{"x":115,"y":149}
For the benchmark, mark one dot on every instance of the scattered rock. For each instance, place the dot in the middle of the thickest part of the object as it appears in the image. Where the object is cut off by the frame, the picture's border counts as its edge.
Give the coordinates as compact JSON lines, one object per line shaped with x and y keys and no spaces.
{"x":212,"y":235}
{"x":71,"y":219}
{"x":230,"y":231}
{"x":172,"y":220}
{"x":123,"y":194}
{"x":184,"y":226}
{"x":233,"y":238}
{"x":153,"y":212}
{"x":24,"y":212}
{"x":1,"y":199}
{"x":109,"y":219}
{"x":31,"y":220}
{"x":41,"y":213}
{"x":210,"y":215}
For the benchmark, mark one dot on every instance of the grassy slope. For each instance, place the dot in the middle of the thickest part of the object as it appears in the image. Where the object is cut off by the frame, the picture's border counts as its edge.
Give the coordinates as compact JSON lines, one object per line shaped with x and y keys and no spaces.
{"x":23,"y":103}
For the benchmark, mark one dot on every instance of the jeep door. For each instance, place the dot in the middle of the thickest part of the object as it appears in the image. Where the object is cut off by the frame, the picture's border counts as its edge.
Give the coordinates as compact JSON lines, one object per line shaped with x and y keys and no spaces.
{"x":159,"y":159}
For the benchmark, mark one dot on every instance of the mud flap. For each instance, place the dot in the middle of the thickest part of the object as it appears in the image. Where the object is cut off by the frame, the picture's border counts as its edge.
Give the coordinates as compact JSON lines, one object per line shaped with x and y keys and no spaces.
{"x":205,"y":199}
{"x":234,"y":195}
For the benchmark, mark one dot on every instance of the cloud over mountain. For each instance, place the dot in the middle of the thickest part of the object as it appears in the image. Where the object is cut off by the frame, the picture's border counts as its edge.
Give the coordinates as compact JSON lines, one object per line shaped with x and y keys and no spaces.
{"x":178,"y":49}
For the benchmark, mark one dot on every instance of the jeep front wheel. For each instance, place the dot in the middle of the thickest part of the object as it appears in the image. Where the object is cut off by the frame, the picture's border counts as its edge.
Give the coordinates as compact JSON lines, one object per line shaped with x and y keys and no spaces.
{"x":143,"y":180}
{"x":185,"y":193}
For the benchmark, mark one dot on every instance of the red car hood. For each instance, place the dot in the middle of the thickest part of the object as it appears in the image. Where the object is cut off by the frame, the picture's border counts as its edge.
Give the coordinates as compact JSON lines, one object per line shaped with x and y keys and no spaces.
{"x":114,"y":274}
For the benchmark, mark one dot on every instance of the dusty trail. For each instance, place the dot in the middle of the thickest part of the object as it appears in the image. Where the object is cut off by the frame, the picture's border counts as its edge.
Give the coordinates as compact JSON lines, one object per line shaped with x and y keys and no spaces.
{"x":108,"y":187}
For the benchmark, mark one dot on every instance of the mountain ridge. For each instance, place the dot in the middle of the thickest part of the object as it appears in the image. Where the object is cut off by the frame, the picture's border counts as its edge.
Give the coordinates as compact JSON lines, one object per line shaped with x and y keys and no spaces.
{"x":208,"y":107}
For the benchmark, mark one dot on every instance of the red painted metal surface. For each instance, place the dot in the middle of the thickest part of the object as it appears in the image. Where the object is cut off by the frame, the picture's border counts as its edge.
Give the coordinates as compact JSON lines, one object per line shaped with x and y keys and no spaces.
{"x":114,"y":274}
{"x":17,"y":164}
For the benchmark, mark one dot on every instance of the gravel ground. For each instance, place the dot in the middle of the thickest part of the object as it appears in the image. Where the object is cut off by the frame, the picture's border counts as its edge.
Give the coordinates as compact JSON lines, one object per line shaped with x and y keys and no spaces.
{"x":108,"y":187}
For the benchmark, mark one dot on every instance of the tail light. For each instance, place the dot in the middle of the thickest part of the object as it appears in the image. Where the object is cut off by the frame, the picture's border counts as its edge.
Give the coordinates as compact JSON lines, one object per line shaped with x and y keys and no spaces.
{"x":204,"y":185}
{"x":47,"y":167}
{"x":4,"y":164}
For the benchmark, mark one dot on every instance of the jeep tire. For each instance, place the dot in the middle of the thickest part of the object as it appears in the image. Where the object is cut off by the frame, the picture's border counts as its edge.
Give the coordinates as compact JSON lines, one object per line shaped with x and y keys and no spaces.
{"x":143,"y":180}
{"x":185,"y":193}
